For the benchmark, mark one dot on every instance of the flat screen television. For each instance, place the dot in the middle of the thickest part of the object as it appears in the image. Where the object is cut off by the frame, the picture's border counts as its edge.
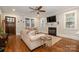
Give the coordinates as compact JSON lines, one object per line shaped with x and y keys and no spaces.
{"x":51,"y":19}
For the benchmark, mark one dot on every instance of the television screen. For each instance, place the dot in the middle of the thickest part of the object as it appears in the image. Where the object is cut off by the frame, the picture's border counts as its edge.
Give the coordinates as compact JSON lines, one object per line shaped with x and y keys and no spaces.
{"x":51,"y":19}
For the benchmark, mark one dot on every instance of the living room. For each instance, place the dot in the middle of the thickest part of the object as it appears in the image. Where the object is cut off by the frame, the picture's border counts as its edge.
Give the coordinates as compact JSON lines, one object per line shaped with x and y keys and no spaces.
{"x":26,"y":17}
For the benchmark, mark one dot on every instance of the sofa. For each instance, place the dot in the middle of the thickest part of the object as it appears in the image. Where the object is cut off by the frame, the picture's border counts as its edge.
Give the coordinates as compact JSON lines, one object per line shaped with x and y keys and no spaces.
{"x":31,"y":38}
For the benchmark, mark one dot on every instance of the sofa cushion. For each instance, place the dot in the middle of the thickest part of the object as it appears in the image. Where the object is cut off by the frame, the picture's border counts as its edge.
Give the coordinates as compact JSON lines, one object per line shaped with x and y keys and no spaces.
{"x":36,"y":37}
{"x":32,"y":33}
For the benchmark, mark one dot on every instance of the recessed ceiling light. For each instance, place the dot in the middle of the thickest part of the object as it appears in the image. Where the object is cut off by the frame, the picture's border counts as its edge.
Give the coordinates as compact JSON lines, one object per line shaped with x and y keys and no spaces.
{"x":13,"y":9}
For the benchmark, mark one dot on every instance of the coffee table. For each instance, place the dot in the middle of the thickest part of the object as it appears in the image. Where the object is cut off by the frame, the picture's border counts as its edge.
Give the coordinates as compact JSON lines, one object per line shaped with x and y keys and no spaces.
{"x":47,"y":40}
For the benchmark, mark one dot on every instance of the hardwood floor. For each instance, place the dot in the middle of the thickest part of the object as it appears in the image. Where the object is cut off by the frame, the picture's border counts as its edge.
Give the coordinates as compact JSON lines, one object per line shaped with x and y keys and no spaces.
{"x":15,"y":44}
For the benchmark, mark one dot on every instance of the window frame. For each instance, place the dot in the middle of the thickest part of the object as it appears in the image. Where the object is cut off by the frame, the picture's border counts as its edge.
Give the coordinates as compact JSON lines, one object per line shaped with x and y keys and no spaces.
{"x":75,"y":19}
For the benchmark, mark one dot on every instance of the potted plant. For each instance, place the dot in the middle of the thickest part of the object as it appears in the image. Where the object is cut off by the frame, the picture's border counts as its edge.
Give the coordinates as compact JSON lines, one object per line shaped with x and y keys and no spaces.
{"x":3,"y":34}
{"x":1,"y":41}
{"x":1,"y":31}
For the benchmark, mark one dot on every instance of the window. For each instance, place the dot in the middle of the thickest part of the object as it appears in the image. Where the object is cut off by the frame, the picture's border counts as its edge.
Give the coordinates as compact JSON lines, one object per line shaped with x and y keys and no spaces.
{"x":32,"y":22}
{"x":29,"y":23}
{"x":70,"y":20}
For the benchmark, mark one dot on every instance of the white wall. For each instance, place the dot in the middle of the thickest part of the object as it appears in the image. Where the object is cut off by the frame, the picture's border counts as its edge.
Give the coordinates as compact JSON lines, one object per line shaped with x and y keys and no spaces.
{"x":0,"y":12}
{"x":40,"y":24}
{"x":43,"y":25}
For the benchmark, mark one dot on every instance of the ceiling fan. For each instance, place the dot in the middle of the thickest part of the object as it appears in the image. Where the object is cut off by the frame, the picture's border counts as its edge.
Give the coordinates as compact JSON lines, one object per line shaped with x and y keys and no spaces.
{"x":37,"y":9}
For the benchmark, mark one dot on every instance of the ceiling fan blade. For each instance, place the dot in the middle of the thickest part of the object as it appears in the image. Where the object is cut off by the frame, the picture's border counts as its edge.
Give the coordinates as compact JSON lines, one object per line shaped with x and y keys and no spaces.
{"x":39,"y":7}
{"x":31,"y":8}
{"x":32,"y":11}
{"x":42,"y":11}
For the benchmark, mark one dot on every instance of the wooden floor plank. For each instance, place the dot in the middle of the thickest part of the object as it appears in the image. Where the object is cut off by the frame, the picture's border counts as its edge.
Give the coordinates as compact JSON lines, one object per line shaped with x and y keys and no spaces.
{"x":15,"y":44}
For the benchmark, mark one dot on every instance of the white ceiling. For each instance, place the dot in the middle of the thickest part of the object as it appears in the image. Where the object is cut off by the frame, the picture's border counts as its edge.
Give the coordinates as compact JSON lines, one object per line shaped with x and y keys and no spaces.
{"x":24,"y":10}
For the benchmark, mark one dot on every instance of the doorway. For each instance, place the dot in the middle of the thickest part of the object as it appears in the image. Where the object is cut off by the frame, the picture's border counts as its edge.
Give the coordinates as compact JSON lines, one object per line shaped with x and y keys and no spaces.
{"x":10,"y":25}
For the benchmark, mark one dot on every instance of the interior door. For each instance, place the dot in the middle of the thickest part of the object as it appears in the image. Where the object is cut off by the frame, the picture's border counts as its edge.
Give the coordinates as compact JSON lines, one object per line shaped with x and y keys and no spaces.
{"x":10,"y":25}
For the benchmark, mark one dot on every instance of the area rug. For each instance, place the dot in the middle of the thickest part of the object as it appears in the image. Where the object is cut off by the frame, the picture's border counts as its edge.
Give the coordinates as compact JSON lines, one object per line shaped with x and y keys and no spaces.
{"x":53,"y":41}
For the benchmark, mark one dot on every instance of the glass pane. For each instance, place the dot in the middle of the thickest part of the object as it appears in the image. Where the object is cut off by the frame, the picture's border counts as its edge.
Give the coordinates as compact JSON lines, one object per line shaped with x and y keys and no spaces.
{"x":32,"y":22}
{"x":27,"y":22}
{"x":70,"y":20}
